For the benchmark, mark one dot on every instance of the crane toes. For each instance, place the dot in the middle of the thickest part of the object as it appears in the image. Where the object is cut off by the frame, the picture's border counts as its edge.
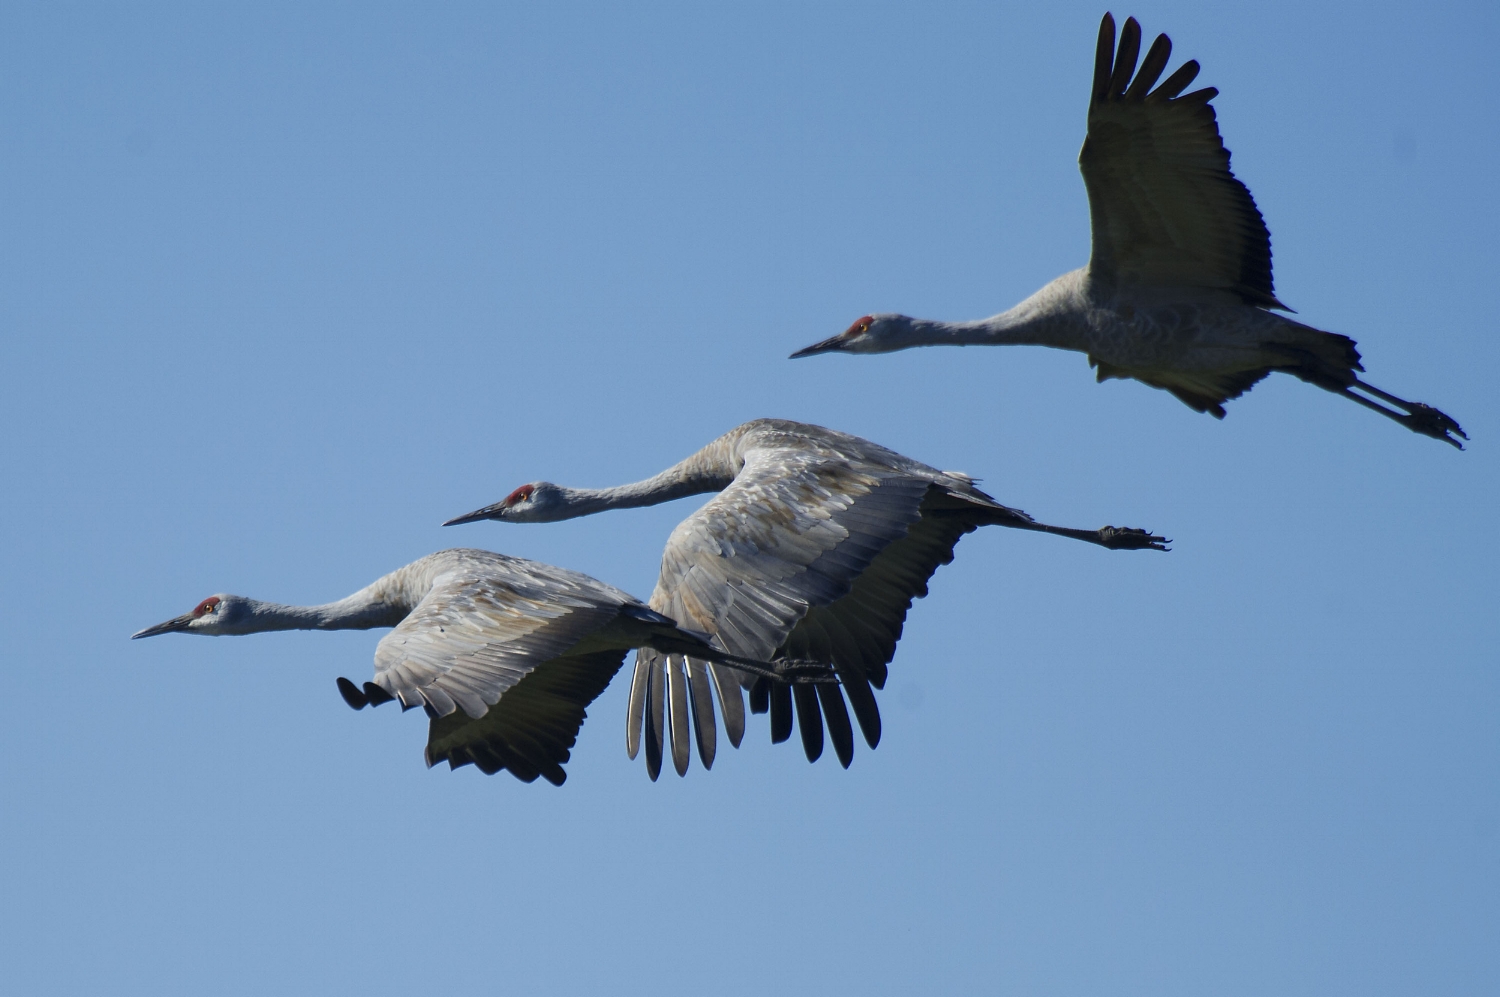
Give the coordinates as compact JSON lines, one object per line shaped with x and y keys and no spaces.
{"x":1428,"y":421}
{"x":356,"y":699}
{"x":1130,"y":538}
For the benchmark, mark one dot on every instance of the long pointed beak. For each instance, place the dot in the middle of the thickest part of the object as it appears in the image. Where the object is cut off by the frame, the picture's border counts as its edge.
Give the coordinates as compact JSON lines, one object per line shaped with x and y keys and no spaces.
{"x":826,"y":346}
{"x":488,"y":512}
{"x":176,"y":623}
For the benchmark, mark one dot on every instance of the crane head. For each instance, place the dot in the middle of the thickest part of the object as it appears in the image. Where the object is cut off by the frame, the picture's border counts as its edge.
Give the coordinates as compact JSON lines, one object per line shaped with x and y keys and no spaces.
{"x":536,"y":502}
{"x":881,"y":333}
{"x":218,"y":614}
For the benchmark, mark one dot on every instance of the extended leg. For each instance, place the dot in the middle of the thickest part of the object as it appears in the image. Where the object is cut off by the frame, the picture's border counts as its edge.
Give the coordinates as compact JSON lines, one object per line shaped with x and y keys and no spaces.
{"x":1112,"y":537}
{"x":1420,"y":418}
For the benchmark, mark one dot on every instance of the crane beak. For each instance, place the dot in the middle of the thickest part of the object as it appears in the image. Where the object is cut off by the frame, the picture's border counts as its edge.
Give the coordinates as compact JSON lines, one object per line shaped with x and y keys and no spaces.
{"x":175,"y":624}
{"x":826,"y":346}
{"x":488,"y":512}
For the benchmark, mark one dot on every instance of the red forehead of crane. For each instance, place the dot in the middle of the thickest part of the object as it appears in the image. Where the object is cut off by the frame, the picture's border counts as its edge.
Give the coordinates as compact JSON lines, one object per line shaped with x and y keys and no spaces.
{"x":860,"y":325}
{"x":519,"y":495}
{"x":206,"y":605}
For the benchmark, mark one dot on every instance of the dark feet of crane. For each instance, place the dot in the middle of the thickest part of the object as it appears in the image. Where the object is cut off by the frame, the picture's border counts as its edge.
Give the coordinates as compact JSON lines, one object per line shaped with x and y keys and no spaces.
{"x":1130,"y":538}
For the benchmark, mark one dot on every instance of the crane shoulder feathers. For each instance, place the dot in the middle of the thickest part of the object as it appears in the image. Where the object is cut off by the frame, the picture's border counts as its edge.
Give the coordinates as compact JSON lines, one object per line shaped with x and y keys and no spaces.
{"x":1165,"y":209}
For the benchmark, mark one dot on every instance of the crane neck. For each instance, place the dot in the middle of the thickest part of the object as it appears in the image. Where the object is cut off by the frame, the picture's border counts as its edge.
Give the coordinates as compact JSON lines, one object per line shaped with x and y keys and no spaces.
{"x":655,"y":490}
{"x":353,"y":613}
{"x":711,"y":469}
{"x":1053,"y":316}
{"x":383,"y":603}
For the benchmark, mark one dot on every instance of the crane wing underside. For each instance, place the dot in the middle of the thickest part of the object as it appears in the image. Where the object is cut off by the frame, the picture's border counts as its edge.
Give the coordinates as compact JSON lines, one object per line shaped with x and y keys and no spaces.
{"x":533,"y":727}
{"x":797,"y":564}
{"x":1165,"y":209}
{"x":471,"y":638}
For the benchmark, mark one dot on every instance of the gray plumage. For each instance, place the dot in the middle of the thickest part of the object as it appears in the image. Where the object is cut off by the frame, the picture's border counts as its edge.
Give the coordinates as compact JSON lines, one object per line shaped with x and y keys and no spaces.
{"x":1178,"y":291}
{"x":814,"y":548}
{"x":504,"y":654}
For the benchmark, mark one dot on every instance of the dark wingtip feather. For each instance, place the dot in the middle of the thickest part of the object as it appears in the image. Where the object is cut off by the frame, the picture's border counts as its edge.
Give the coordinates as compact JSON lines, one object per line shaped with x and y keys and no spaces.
{"x":1151,"y":68}
{"x":760,"y":695}
{"x":377,"y":695}
{"x":781,"y":712}
{"x":1104,"y":54}
{"x":1178,"y":81}
{"x":1130,"y":48}
{"x":809,"y":720}
{"x":356,"y":699}
{"x":839,"y":730}
{"x":866,"y":711}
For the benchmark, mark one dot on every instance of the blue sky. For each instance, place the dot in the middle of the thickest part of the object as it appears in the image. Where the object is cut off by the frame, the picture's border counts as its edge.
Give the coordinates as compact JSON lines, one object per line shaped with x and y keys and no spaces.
{"x":283,"y":287}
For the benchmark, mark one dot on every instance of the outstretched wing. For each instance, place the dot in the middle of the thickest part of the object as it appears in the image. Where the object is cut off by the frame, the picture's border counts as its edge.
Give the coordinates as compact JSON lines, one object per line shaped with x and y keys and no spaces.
{"x":483,"y":653}
{"x":794,"y":532}
{"x":1164,"y":206}
{"x":532,"y":729}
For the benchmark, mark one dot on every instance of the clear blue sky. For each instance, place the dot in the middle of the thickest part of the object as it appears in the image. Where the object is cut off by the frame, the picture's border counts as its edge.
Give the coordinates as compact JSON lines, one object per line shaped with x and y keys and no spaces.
{"x":283,"y":288}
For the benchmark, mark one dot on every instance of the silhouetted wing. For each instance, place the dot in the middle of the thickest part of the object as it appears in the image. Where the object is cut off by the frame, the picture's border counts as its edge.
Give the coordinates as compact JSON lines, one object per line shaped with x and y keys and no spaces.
{"x":1164,"y":206}
{"x":474,"y":636}
{"x":533,"y":727}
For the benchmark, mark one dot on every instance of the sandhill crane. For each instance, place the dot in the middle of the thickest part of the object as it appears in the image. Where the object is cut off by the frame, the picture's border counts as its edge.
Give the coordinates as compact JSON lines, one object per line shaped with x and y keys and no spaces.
{"x":1177,"y":293}
{"x":814,"y":548}
{"x":504,"y":654}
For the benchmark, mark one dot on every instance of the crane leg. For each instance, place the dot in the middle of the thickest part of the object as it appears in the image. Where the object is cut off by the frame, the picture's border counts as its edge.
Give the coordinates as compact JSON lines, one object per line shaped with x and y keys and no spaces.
{"x":1112,"y":537}
{"x":1419,"y":416}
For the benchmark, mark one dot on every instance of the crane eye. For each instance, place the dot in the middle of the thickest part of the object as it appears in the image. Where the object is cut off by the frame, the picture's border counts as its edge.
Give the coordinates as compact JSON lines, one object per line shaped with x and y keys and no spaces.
{"x":864,"y":327}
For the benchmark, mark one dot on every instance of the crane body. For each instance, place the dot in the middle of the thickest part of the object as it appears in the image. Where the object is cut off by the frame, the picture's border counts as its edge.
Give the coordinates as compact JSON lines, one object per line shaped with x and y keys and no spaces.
{"x":1178,"y":291}
{"x":503,"y":654}
{"x":813,"y":548}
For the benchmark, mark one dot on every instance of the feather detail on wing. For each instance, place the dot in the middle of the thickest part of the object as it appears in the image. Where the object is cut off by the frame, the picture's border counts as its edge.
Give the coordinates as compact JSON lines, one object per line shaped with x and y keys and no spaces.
{"x":534,"y":726}
{"x":471,"y":638}
{"x":1164,"y":206}
{"x":806,"y":555}
{"x":505,"y":655}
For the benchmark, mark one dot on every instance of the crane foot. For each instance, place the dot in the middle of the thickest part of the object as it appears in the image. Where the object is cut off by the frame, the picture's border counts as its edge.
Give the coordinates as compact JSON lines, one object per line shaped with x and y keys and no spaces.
{"x":1130,"y":538}
{"x":1435,"y":423}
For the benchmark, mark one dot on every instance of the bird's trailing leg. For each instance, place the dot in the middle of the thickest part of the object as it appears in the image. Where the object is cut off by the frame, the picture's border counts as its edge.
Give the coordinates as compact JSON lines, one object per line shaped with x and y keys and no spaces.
{"x":1112,"y":537}
{"x":1129,"y":538}
{"x":1419,"y":417}
{"x":793,"y":671}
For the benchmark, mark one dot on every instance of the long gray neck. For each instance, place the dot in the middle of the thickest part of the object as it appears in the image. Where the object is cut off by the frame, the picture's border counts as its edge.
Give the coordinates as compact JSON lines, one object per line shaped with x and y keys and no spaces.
{"x":711,"y":469}
{"x":1053,"y":316}
{"x":384,"y":603}
{"x":352,"y":613}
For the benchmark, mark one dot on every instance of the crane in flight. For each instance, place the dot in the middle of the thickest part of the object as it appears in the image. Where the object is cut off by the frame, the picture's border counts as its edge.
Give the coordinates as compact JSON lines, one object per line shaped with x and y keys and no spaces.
{"x":814,"y":548}
{"x":504,"y":654}
{"x":1177,"y":293}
